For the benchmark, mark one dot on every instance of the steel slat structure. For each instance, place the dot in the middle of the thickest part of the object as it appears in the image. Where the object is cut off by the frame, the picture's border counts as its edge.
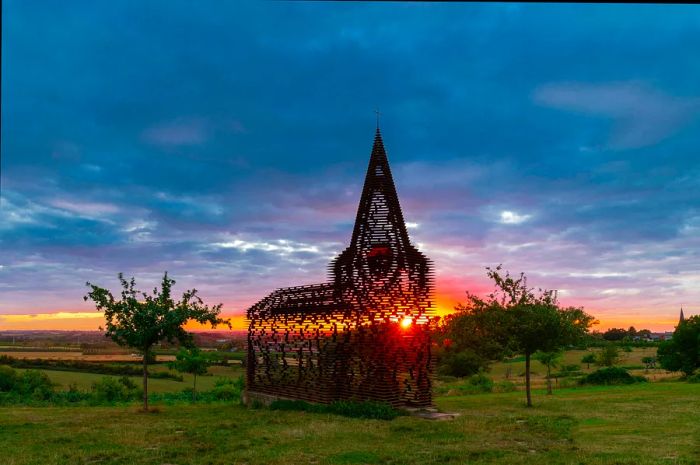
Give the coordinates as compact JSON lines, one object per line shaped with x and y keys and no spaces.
{"x":365,"y":335}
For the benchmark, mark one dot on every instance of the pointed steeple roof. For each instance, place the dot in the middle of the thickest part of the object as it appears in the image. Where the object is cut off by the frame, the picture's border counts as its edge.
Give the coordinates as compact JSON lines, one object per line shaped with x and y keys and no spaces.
{"x":682,"y":318}
{"x":379,"y":200}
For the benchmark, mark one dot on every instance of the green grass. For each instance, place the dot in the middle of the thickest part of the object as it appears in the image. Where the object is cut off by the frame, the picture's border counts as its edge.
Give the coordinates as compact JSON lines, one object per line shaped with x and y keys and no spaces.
{"x":650,"y":423}
{"x":653,"y":423}
{"x":516,"y":367}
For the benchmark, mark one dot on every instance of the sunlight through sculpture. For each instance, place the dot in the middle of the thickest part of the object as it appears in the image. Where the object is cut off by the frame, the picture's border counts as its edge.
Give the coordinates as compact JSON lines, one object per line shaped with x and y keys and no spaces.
{"x":365,"y":335}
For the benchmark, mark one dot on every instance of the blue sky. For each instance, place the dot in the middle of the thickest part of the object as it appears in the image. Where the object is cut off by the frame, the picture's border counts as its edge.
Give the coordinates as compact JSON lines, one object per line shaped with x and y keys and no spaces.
{"x":226,"y":142}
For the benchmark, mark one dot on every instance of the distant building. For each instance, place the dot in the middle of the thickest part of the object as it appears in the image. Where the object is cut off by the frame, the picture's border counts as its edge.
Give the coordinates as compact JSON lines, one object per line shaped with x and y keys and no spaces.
{"x":664,"y":336}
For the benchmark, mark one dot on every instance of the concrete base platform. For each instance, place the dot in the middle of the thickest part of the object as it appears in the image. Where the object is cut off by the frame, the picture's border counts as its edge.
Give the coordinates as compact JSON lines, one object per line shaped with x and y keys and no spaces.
{"x":428,"y":413}
{"x":431,"y":413}
{"x":249,"y":397}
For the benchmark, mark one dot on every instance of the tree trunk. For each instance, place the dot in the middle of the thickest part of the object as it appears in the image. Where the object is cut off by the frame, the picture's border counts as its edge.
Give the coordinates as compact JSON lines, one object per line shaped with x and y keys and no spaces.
{"x":145,"y":381}
{"x":549,"y":380}
{"x":527,"y":379}
{"x":194,"y":389}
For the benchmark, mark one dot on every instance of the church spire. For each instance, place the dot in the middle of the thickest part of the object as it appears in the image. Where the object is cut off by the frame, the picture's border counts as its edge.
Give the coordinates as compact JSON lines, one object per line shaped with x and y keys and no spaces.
{"x":682,"y":318}
{"x":379,"y":207}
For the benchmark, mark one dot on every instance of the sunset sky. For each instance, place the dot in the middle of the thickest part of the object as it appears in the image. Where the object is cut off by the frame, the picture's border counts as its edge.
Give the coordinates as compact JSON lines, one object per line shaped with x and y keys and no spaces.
{"x":226,"y":142}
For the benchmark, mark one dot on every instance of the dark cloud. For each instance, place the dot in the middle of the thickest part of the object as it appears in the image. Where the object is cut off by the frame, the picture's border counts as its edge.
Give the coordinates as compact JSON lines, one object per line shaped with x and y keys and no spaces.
{"x":226,"y":143}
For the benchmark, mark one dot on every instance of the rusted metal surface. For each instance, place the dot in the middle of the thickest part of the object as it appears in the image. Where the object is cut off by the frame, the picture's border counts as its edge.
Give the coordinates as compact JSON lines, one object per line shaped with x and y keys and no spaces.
{"x":365,"y":335}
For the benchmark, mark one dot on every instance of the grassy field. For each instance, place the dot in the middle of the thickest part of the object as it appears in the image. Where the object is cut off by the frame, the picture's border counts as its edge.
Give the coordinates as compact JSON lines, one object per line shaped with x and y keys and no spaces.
{"x":514,"y":371}
{"x":653,"y":423}
{"x":510,"y":371}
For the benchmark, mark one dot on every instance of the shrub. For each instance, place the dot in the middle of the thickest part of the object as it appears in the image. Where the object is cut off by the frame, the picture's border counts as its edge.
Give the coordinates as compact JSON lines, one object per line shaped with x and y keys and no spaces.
{"x":461,"y":364}
{"x":228,"y":389}
{"x":73,"y":394}
{"x":33,"y":384}
{"x":693,"y":378}
{"x":611,"y":375}
{"x":481,"y":382}
{"x":128,"y":383}
{"x":8,"y":377}
{"x":109,"y":389}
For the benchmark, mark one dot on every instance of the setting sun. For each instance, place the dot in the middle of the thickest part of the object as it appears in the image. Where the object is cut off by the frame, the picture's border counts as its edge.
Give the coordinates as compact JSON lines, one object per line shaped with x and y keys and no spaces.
{"x":406,"y":322}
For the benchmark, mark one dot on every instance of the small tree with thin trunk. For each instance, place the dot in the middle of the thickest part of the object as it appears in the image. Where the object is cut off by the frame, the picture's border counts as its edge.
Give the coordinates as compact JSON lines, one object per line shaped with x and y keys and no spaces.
{"x":649,"y":362}
{"x":525,"y":322}
{"x":140,"y":320}
{"x":191,"y":361}
{"x":550,"y":360}
{"x":608,"y":356}
{"x":588,"y":359}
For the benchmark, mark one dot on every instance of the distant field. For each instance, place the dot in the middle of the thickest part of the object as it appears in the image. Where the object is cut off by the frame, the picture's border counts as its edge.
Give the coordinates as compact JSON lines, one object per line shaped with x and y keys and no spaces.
{"x":516,"y":370}
{"x":510,"y":371}
{"x":653,"y":423}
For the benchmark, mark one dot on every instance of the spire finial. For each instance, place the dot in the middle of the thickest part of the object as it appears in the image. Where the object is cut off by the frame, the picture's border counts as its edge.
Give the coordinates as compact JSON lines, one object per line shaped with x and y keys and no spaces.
{"x":378,"y":113}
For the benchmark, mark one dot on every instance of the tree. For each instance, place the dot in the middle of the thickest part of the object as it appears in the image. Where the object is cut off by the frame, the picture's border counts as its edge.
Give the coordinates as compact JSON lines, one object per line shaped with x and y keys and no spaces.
{"x":191,"y":361}
{"x":682,"y":351}
{"x":588,"y":359}
{"x":615,"y":334}
{"x":649,"y":362}
{"x":549,"y":359}
{"x":608,"y":356}
{"x":521,"y":321}
{"x":468,"y":340}
{"x":140,"y":324}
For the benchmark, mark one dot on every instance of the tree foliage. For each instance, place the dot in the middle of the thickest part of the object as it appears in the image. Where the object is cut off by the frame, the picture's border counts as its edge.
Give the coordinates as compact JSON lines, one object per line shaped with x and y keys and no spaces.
{"x":192,"y":361}
{"x":469,"y":340}
{"x":615,"y":334}
{"x":140,"y":320}
{"x":649,"y":362}
{"x":608,"y":356}
{"x":550,"y":360}
{"x":611,"y":375}
{"x":588,"y":359}
{"x":514,"y":318}
{"x":682,"y":351}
